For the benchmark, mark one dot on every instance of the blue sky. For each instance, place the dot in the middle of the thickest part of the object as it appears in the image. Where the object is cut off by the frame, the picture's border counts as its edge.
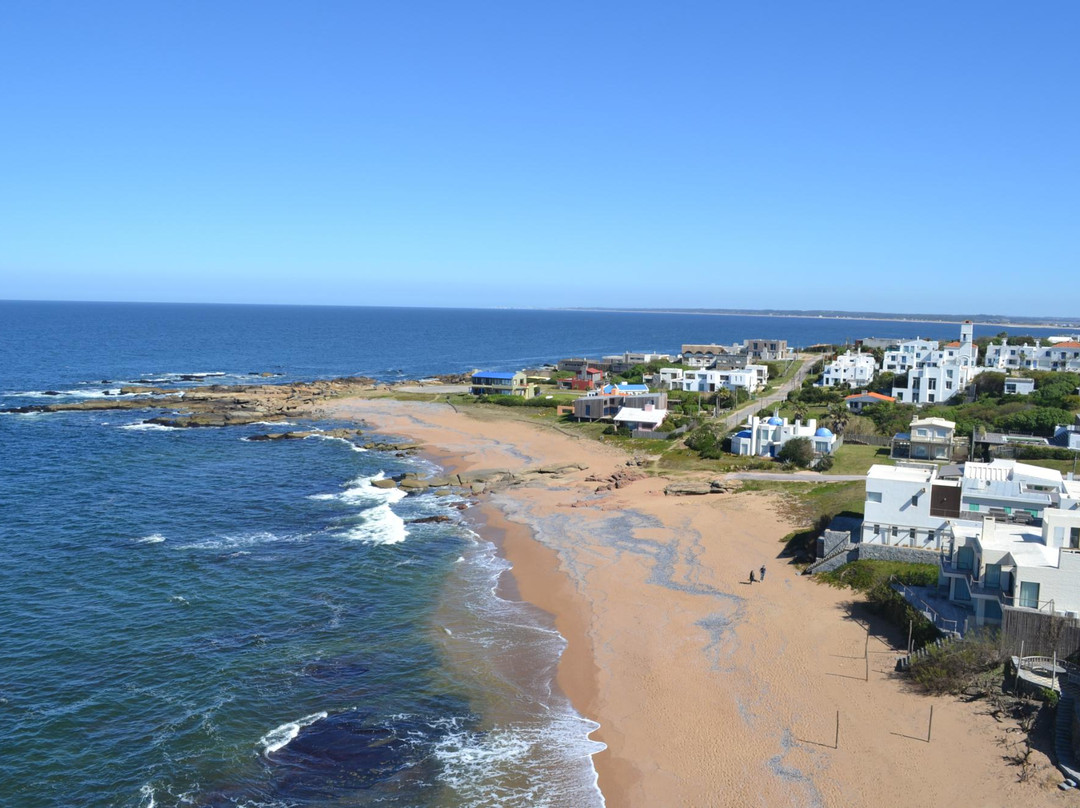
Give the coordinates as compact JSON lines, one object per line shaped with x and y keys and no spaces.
{"x":917,"y":156}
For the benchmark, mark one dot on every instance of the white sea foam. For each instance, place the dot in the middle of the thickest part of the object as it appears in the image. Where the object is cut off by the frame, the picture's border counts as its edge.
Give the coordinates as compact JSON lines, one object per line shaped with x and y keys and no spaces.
{"x":282,"y":736}
{"x":147,"y":795}
{"x":346,"y":441}
{"x":237,"y":542}
{"x":144,"y":427}
{"x":474,"y":763}
{"x":272,"y":423}
{"x":380,"y":525}
{"x":153,"y":538}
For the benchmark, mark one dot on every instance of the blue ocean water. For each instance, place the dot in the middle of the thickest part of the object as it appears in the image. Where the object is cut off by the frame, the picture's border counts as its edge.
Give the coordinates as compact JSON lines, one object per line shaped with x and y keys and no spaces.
{"x":190,"y":618}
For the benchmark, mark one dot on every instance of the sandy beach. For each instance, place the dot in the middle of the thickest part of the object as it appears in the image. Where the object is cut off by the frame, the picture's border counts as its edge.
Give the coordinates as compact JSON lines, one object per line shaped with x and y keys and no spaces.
{"x":709,"y":690}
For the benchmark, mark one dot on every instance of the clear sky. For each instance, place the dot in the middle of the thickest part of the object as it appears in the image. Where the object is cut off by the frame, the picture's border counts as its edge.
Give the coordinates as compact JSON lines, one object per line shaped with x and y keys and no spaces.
{"x":914,"y":156}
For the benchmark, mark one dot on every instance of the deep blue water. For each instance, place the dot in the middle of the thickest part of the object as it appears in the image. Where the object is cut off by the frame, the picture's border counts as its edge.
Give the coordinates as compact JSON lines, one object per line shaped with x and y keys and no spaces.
{"x":189,"y":618}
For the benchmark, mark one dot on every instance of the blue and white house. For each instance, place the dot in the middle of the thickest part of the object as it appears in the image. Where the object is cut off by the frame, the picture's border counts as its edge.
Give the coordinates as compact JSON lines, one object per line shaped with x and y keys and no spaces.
{"x":765,"y":437}
{"x":495,"y":383}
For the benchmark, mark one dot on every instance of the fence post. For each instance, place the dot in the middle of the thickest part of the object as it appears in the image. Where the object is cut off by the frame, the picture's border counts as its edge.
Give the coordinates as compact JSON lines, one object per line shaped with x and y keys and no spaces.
{"x":836,"y":743}
{"x":930,"y":726}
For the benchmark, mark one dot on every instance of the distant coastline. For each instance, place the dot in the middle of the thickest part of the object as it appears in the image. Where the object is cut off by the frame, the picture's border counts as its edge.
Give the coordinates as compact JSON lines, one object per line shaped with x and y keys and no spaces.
{"x":978,"y":319}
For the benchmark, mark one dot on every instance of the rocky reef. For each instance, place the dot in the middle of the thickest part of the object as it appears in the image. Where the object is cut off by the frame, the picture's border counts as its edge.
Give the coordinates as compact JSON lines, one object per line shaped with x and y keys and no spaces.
{"x":218,"y":405}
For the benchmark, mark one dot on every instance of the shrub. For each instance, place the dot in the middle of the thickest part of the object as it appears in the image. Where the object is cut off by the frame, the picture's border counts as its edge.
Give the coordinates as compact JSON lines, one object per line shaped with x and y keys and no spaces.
{"x":825,"y":462}
{"x":799,"y":451}
{"x":864,"y":574}
{"x":954,"y":667}
{"x":891,"y":605}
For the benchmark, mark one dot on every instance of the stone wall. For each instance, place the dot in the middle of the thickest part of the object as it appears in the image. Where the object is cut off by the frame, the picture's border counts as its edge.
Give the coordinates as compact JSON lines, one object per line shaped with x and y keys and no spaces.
{"x":847,"y":552}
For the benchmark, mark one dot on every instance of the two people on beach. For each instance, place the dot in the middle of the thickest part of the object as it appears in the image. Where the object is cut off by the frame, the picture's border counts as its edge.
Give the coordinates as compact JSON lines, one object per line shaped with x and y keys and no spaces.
{"x":754,"y":580}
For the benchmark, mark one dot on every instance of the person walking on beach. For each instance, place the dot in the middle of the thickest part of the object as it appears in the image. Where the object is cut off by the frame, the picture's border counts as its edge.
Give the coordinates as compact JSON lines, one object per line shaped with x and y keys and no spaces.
{"x":762,"y":572}
{"x":752,"y":579}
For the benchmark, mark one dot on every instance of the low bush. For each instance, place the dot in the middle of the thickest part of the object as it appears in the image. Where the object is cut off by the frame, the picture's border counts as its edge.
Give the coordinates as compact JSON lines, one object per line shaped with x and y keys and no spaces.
{"x":891,"y":605}
{"x":957,"y":666}
{"x":864,"y":574}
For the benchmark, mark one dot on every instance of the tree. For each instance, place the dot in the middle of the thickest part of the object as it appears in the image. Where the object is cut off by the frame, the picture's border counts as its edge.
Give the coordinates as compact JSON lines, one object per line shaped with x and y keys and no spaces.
{"x":798,"y":451}
{"x":838,"y":416}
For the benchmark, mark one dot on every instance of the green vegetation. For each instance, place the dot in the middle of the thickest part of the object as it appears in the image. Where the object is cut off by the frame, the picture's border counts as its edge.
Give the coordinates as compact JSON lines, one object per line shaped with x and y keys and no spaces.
{"x":810,"y":503}
{"x":864,"y":575}
{"x":854,"y":458}
{"x":799,"y":451}
{"x":959,"y":666}
{"x":520,"y":401}
{"x":891,"y":605}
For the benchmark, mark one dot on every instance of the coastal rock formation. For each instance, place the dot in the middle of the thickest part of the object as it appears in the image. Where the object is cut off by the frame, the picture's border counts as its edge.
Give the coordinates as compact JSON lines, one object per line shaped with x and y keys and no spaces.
{"x":697,"y":488}
{"x":424,"y":520}
{"x":344,"y":434}
{"x":619,"y":479}
{"x":221,"y":405}
{"x":688,"y":489}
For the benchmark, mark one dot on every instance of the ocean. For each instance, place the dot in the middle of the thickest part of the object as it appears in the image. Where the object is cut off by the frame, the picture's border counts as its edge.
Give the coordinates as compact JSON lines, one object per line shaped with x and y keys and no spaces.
{"x":189,"y":618}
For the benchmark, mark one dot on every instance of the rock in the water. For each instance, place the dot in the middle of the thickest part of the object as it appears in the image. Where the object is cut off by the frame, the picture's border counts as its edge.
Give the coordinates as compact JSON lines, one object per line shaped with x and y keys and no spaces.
{"x":412,"y":484}
{"x":386,"y":483}
{"x":424,"y":520}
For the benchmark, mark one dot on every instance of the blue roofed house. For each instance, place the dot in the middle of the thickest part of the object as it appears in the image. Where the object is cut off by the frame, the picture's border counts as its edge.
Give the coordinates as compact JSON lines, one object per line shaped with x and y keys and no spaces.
{"x":765,"y":437}
{"x":491,"y":383}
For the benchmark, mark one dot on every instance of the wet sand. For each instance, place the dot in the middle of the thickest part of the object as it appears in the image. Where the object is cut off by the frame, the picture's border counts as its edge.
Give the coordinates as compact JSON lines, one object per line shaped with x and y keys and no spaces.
{"x":709,"y":690}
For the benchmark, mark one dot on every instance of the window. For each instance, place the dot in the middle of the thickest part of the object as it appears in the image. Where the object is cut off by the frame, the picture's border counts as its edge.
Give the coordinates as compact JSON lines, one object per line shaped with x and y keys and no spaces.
{"x":993,"y":575}
{"x":915,"y":501}
{"x":1074,"y":538}
{"x":929,"y":537}
{"x":911,"y":534}
{"x":1029,"y":595}
{"x":974,"y":506}
{"x":873,"y":496}
{"x":894,"y":531}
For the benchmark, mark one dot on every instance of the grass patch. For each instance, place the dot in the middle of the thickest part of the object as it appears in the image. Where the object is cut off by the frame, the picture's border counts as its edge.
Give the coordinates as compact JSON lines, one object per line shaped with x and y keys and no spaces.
{"x":864,"y":575}
{"x":958,"y":666}
{"x":854,"y":458}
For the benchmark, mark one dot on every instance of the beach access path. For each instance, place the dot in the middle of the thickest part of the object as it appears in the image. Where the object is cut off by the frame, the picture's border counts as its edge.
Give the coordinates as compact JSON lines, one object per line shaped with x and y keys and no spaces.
{"x":709,"y":690}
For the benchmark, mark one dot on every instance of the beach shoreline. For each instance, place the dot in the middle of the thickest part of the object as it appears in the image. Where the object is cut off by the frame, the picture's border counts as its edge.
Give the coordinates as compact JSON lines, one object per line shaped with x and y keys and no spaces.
{"x":707,"y":690}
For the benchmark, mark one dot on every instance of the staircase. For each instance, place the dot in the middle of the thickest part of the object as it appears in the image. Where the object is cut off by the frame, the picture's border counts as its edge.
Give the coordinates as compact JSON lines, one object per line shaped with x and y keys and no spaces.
{"x":1063,"y":749}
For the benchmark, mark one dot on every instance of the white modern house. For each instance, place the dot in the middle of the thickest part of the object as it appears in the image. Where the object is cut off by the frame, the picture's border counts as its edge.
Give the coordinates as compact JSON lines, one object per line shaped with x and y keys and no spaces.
{"x":1019,"y":386}
{"x":908,"y":355}
{"x":911,"y":505}
{"x":939,"y":374}
{"x":765,"y":437}
{"x":1059,"y":355}
{"x":996,"y":565}
{"x":749,"y":379}
{"x":645,"y":419}
{"x":849,"y":369}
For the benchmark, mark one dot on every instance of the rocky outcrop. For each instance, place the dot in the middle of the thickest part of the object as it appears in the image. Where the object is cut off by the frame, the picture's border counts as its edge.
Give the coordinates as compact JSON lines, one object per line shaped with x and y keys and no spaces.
{"x":698,"y":488}
{"x":344,"y":434}
{"x":619,"y":479}
{"x":427,"y":520}
{"x":218,"y":405}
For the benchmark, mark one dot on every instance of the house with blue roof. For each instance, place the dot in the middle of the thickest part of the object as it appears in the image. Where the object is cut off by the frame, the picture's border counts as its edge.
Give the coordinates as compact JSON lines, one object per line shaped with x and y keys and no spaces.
{"x":765,"y":437}
{"x":494,"y":383}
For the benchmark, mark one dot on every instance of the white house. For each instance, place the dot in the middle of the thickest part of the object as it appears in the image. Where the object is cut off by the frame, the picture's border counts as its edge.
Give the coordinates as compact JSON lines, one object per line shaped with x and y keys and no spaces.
{"x":1059,"y":355}
{"x":941,"y":373}
{"x":1019,"y":386}
{"x":850,"y":369}
{"x":646,"y":418}
{"x":749,"y":379}
{"x":912,"y":505}
{"x":908,"y":354}
{"x":995,"y":565}
{"x":765,"y":437}
{"x":926,"y":439}
{"x":669,"y":378}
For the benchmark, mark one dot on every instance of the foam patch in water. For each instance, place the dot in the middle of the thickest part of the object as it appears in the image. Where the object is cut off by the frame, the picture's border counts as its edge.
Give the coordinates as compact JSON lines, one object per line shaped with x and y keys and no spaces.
{"x":280,"y":737}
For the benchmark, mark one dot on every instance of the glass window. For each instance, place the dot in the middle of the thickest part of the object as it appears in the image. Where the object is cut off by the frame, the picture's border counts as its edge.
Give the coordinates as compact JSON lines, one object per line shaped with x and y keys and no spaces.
{"x":873,"y":496}
{"x":1029,"y":595}
{"x":993,"y":575}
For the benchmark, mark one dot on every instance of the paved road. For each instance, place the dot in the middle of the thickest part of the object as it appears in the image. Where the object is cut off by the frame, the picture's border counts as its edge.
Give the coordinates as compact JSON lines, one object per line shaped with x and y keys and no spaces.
{"x":735,"y":417}
{"x":795,"y":476}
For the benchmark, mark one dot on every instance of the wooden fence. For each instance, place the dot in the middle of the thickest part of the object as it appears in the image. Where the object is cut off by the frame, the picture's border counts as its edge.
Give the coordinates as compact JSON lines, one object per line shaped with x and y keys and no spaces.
{"x":1042,"y":633}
